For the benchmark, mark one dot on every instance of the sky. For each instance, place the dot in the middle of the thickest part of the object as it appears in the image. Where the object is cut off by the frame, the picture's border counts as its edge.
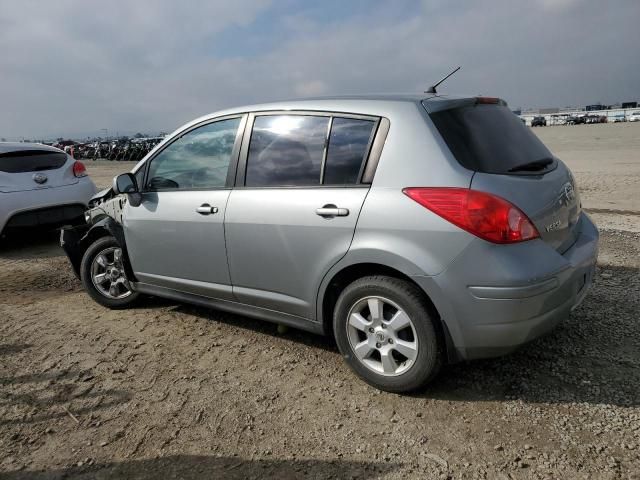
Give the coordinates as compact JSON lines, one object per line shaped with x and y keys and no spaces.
{"x":74,"y":68}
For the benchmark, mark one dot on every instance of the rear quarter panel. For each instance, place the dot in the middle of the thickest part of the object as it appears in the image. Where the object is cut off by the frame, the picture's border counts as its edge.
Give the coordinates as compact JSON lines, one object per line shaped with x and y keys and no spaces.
{"x":391,"y":225}
{"x":392,"y":229}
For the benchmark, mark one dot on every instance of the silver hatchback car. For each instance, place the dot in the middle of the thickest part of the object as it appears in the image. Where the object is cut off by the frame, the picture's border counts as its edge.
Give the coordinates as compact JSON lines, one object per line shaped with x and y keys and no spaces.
{"x":416,"y":230}
{"x":41,"y":186}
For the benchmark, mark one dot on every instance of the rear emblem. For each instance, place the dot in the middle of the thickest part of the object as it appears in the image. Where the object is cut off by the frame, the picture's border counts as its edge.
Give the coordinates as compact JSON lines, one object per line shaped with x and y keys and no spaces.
{"x":568,"y":192}
{"x":553,"y":226}
{"x":40,"y":178}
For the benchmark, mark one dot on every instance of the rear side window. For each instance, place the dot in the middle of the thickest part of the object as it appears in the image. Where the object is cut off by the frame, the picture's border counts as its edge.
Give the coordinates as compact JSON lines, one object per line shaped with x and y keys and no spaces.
{"x":286,"y":150}
{"x":489,"y":138}
{"x":348,"y":145}
{"x":31,"y":161}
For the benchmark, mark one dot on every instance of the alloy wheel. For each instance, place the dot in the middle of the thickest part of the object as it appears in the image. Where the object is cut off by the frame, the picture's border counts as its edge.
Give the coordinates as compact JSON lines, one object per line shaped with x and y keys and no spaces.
{"x":108,"y":275}
{"x":382,"y":336}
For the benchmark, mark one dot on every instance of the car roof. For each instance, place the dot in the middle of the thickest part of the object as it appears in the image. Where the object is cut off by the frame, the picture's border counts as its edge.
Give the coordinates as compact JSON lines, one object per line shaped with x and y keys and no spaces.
{"x":343,"y":103}
{"x":8,"y":147}
{"x":366,"y":104}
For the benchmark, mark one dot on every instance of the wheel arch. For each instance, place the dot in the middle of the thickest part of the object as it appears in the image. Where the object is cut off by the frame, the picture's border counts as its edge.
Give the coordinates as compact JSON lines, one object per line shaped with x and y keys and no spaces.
{"x":76,"y":241}
{"x":339,"y":278}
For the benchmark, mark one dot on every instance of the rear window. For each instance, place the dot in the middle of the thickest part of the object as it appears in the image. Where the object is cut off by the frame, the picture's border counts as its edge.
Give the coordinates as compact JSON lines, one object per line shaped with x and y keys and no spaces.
{"x":286,"y":150}
{"x":348,"y":145}
{"x":489,"y":138}
{"x":31,"y":161}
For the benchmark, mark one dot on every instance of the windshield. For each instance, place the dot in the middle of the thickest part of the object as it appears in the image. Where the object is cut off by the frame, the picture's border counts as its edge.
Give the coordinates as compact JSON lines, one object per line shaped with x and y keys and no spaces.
{"x":489,"y":138}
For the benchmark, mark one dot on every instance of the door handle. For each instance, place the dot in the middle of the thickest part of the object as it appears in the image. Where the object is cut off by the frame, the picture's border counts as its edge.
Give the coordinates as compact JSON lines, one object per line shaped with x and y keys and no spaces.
{"x":206,"y":209}
{"x":330,"y":211}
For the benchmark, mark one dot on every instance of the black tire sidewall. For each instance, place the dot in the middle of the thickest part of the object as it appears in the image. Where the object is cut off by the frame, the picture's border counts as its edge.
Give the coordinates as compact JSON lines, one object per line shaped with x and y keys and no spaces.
{"x":85,"y":276}
{"x":411,"y":300}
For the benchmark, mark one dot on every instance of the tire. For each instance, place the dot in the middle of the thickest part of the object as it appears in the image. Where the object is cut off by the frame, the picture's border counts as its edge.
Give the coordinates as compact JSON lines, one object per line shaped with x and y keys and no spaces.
{"x":396,"y":295}
{"x":91,"y":266}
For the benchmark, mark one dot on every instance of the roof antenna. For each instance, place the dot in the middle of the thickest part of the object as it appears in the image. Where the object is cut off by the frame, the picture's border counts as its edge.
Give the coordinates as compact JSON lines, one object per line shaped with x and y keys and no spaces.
{"x":432,"y":89}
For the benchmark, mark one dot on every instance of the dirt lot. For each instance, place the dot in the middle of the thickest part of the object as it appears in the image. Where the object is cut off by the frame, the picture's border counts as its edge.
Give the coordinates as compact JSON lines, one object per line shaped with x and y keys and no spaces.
{"x":174,"y":391}
{"x":605,"y":159}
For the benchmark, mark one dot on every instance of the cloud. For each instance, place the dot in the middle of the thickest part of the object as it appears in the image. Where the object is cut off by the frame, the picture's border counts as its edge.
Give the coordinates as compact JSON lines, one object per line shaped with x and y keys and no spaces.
{"x":75,"y":66}
{"x":555,"y":5}
{"x":310,"y":88}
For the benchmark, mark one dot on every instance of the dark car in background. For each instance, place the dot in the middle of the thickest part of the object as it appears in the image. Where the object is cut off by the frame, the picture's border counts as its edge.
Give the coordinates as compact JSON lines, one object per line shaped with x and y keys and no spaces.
{"x":576,"y":120}
{"x":539,"y":122}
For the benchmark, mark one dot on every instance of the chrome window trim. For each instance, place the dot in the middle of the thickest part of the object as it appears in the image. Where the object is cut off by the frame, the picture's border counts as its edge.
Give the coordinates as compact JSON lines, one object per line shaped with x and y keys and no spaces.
{"x":371,"y":164}
{"x":327,"y":136}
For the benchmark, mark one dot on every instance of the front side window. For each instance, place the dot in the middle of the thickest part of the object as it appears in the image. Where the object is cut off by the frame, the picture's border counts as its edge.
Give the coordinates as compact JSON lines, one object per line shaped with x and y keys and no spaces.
{"x":286,"y":150}
{"x":198,"y":159}
{"x":348,"y":145}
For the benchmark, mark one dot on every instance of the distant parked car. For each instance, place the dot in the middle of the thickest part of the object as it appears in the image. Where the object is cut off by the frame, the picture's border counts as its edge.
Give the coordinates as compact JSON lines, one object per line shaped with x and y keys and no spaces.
{"x":576,"y":121}
{"x":595,"y":119}
{"x":41,"y":185}
{"x":539,"y":122}
{"x":634,"y":117}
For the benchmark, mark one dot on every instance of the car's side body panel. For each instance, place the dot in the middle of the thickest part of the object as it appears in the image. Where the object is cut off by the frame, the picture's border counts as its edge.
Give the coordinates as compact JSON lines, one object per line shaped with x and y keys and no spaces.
{"x":173,"y":246}
{"x":278,"y":246}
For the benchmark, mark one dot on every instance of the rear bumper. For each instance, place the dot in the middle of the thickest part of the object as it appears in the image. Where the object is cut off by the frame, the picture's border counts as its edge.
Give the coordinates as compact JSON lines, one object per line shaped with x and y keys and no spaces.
{"x":48,"y":216}
{"x":47,"y":206}
{"x":494,"y":299}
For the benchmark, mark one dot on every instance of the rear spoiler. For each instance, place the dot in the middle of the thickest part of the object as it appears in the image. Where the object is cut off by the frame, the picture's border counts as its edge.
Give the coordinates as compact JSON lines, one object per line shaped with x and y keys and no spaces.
{"x":438,"y":104}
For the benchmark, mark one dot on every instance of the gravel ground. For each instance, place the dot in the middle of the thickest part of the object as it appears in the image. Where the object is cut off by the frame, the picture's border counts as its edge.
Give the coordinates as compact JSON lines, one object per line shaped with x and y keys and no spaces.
{"x":174,"y":391}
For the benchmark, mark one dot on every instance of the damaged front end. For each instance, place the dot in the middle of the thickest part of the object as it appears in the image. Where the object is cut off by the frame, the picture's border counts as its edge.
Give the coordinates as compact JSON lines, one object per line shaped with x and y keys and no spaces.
{"x":103,"y":218}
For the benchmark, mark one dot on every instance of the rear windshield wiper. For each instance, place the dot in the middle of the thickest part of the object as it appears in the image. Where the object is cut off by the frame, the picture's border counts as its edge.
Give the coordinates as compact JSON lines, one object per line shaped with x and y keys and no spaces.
{"x":533,"y":166}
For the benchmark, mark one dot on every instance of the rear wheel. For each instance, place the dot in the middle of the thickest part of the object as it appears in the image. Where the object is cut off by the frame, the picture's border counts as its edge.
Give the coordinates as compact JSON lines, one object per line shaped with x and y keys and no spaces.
{"x":385,"y":333}
{"x":103,"y":275}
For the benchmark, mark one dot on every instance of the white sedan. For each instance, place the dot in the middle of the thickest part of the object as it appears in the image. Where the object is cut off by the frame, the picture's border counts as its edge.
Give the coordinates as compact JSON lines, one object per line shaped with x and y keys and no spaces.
{"x":41,"y":185}
{"x":634,"y":117}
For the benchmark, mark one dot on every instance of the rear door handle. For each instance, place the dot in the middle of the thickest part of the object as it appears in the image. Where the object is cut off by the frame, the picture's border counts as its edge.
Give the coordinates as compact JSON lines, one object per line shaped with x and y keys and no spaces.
{"x":206,"y":209}
{"x":329,"y":211}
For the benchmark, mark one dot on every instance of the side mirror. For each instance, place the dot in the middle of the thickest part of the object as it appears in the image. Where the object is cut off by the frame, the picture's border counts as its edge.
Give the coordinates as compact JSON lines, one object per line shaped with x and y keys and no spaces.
{"x":127,"y":183}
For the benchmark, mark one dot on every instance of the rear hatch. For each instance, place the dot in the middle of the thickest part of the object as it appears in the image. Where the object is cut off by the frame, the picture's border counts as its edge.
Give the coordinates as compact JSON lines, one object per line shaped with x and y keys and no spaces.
{"x":511,"y":162}
{"x":34,"y":169}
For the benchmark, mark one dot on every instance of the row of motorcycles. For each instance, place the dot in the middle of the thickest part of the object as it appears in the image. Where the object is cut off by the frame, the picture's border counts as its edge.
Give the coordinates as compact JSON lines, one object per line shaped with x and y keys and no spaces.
{"x":123,"y":151}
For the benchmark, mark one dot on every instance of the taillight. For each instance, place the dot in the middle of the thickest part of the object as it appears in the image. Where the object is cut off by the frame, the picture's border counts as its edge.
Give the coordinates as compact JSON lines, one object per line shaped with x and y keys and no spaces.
{"x":79,"y":170}
{"x":485,"y":215}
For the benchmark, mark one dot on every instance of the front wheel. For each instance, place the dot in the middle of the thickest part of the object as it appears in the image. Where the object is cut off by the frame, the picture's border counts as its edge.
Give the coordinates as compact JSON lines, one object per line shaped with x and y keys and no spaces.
{"x":103,"y":275}
{"x":386,"y":334}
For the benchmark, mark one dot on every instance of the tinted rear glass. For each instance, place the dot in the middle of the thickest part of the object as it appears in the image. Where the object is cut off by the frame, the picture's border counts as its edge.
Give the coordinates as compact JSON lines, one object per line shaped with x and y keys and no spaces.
{"x":488,"y":138}
{"x":348,"y":144}
{"x":286,"y":150}
{"x":31,"y":161}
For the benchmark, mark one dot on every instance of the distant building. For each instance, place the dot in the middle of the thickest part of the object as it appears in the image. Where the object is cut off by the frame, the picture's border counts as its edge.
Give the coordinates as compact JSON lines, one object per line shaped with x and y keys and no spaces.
{"x":629,"y":105}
